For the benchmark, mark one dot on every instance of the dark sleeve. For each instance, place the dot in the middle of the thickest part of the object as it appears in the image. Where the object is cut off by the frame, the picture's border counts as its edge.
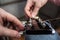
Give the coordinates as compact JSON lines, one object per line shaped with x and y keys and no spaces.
{"x":57,"y":2}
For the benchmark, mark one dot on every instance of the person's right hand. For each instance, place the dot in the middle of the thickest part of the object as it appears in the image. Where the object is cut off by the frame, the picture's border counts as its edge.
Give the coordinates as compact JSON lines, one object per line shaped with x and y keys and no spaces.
{"x":37,"y":5}
{"x":5,"y":16}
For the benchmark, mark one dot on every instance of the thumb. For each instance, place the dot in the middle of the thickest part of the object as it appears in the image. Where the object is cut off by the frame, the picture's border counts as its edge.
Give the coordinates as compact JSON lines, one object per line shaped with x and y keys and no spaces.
{"x":8,"y":32}
{"x":35,"y":11}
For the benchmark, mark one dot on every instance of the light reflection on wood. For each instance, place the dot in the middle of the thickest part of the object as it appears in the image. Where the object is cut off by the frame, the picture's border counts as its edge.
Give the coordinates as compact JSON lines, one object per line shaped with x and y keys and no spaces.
{"x":21,"y":38}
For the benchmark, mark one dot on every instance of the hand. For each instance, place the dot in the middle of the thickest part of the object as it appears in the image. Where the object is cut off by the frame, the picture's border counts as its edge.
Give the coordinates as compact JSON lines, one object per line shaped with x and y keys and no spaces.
{"x":37,"y":5}
{"x":9,"y":32}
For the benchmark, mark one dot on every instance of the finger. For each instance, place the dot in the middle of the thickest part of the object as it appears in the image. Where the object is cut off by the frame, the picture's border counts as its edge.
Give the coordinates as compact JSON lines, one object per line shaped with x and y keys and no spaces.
{"x":38,"y":5}
{"x":1,"y":22}
{"x":8,"y":32}
{"x":35,"y":11}
{"x":12,"y":19}
{"x":27,"y":8}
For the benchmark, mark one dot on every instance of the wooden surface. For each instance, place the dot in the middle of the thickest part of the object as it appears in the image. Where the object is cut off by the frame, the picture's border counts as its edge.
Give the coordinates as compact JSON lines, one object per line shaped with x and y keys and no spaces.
{"x":21,"y":38}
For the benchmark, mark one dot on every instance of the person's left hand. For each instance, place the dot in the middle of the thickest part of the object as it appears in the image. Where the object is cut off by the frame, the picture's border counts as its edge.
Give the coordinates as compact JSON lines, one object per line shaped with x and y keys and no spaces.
{"x":5,"y":16}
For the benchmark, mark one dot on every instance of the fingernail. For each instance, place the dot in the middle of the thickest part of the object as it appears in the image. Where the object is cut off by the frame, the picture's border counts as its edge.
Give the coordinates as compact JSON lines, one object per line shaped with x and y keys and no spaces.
{"x":33,"y":16}
{"x":21,"y":32}
{"x":18,"y":36}
{"x":36,"y":17}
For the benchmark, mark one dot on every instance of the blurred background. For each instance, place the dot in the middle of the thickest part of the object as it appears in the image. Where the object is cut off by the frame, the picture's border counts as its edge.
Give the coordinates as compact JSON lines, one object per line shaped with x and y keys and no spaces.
{"x":16,"y":7}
